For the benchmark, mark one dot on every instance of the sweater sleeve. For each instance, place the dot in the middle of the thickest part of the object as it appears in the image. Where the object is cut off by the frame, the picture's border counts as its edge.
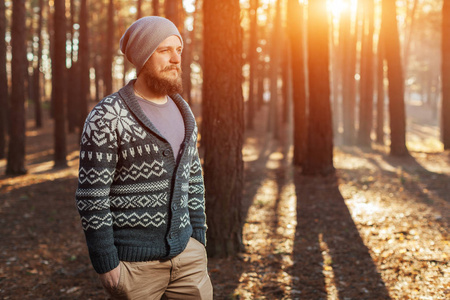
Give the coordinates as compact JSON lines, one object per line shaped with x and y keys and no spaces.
{"x":196,"y":200}
{"x":98,"y":159}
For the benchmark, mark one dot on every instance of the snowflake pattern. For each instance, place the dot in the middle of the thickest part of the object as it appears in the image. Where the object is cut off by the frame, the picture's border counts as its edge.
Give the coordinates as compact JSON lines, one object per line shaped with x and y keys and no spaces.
{"x":109,"y":117}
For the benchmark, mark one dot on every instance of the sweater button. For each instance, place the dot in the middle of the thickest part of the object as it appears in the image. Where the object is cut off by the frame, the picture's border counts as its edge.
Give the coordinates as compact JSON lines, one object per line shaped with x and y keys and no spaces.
{"x":166,"y":152}
{"x":171,"y":235}
{"x":175,"y":206}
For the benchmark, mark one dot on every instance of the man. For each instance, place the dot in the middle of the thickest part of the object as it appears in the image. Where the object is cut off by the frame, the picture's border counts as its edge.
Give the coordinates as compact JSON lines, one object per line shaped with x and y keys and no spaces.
{"x":140,"y":189}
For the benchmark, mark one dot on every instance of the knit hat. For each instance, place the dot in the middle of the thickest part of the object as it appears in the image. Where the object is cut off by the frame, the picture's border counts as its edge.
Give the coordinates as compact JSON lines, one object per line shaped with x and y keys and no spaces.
{"x":142,"y":38}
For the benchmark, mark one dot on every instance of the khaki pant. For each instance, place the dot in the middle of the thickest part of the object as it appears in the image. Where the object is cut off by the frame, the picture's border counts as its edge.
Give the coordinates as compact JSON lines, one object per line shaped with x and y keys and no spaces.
{"x":182,"y":277}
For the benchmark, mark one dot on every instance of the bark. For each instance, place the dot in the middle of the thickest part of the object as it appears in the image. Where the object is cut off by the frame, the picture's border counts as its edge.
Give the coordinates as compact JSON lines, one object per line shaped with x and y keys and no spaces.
{"x":155,"y":6}
{"x":261,"y":75}
{"x":109,"y":50}
{"x":173,"y":10}
{"x":319,"y":158}
{"x":71,"y":76}
{"x":286,"y":80}
{"x":51,"y":33}
{"x":83,"y":56}
{"x":253,"y":59}
{"x":186,"y":61}
{"x":97,"y":79}
{"x":348,"y":47}
{"x":446,"y":75}
{"x":37,"y":71}
{"x":367,"y":85}
{"x":139,"y":10}
{"x":275,"y":53}
{"x":4,"y":99}
{"x":397,"y":117}
{"x":58,"y":84}
{"x":223,"y":124}
{"x":296,"y":36}
{"x":380,"y":91}
{"x":19,"y":63}
{"x":336,"y":71}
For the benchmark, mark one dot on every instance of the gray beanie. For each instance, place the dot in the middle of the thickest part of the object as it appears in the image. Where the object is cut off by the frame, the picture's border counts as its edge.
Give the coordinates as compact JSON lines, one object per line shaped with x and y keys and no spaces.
{"x":142,"y":38}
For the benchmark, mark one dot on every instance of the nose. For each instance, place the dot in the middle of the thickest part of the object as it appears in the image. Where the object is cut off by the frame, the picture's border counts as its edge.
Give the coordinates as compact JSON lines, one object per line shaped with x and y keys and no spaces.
{"x":176,"y":57}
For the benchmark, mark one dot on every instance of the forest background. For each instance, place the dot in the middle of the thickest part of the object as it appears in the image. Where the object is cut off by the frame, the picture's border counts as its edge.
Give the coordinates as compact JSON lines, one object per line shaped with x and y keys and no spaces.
{"x":324,"y":136}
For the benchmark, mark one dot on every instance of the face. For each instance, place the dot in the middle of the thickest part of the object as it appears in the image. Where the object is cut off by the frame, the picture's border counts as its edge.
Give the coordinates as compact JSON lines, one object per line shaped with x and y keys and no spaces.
{"x":162,"y":71}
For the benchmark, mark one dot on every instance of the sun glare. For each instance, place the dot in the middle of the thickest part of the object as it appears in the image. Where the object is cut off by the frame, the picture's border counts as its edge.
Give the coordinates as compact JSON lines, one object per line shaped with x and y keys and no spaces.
{"x":336,"y":7}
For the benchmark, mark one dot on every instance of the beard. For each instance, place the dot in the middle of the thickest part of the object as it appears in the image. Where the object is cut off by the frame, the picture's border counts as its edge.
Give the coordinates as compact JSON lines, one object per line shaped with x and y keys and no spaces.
{"x":160,"y":83}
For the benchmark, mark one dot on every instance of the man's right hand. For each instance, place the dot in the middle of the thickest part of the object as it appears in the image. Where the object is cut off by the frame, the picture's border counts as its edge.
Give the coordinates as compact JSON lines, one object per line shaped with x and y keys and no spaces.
{"x":110,"y":279}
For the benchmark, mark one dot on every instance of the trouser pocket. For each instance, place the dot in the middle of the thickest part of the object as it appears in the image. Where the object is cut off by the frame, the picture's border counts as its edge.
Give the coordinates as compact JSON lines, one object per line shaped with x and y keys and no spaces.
{"x":118,"y":292}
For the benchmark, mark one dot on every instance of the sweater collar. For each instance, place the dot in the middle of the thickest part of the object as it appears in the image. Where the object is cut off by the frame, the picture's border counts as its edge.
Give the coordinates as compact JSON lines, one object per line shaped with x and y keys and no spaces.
{"x":127,"y":94}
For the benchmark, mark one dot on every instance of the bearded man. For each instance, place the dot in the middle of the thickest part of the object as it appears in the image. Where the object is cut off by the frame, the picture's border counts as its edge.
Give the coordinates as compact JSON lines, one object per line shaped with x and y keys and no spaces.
{"x":140,"y":188}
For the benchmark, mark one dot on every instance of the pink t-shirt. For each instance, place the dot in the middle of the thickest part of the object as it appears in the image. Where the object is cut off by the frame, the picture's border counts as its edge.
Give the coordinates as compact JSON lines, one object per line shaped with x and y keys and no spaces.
{"x":167,"y":119}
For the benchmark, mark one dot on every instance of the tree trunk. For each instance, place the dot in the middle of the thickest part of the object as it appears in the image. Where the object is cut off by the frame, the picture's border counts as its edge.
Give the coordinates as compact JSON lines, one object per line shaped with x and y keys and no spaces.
{"x":380,"y":91}
{"x":37,"y":71}
{"x":391,"y":43}
{"x":173,"y":11}
{"x":58,"y":84}
{"x":275,"y":53}
{"x":186,"y":61}
{"x":223,"y":124}
{"x":296,"y":36}
{"x":98,"y":96}
{"x":366,"y":87}
{"x":19,"y":63}
{"x":286,"y":79}
{"x":319,"y":158}
{"x":4,"y":99}
{"x":446,"y":75}
{"x":253,"y":59}
{"x":346,"y":39}
{"x":261,"y":76}
{"x":109,"y":50}
{"x":139,"y":10}
{"x":155,"y":6}
{"x":336,"y":71}
{"x":83,"y":56}
{"x":351,"y":139}
{"x":71,"y":76}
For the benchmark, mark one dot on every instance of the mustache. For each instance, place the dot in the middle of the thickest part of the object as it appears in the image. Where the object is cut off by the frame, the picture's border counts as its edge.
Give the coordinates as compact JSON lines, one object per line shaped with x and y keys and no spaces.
{"x":173,"y":67}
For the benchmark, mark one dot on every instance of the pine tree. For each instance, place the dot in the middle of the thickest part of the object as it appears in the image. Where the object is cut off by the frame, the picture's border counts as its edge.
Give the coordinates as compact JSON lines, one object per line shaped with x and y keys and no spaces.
{"x":37,"y":71}
{"x":58,"y":84}
{"x":223,"y":124}
{"x":367,"y":80}
{"x":446,"y":74}
{"x":296,"y":35}
{"x":253,"y":59}
{"x":19,"y":63}
{"x":391,"y":45}
{"x":4,"y":99}
{"x":83,"y":57}
{"x":109,"y":50}
{"x":319,"y":158}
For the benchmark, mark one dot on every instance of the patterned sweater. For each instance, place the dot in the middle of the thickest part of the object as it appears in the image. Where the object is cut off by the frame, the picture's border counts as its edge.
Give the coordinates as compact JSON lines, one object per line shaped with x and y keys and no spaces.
{"x":135,"y":201}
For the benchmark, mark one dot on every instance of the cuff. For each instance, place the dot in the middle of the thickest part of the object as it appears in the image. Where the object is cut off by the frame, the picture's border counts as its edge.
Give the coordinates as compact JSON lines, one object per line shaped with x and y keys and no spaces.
{"x":105,"y":263}
{"x":200,"y":235}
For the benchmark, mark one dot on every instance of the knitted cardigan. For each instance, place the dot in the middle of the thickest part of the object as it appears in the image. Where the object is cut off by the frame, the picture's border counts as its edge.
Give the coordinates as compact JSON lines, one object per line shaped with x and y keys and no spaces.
{"x":135,"y":201}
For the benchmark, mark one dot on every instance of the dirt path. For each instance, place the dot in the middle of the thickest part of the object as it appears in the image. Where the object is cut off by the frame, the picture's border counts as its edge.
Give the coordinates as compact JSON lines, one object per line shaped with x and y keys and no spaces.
{"x":378,"y":230}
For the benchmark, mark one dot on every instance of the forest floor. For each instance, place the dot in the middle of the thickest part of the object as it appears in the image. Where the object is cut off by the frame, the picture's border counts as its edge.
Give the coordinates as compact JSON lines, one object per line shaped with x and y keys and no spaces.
{"x":378,"y":229}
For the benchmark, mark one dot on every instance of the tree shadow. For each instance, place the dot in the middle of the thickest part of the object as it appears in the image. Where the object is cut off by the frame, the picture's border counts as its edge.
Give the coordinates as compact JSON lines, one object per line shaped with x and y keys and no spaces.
{"x":269,"y":165}
{"x":324,"y":225}
{"x":413,"y":177}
